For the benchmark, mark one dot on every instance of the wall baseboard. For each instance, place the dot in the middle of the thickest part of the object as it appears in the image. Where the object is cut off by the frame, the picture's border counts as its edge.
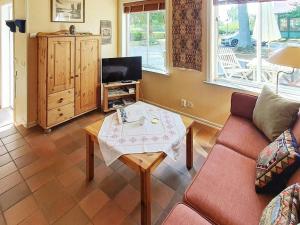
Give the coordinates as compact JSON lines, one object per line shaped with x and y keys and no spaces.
{"x":198,"y":119}
{"x":31,"y":124}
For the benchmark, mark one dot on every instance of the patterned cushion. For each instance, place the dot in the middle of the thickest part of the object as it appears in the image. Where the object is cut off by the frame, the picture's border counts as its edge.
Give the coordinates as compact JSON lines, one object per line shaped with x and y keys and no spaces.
{"x":283,"y":209}
{"x":276,"y":163}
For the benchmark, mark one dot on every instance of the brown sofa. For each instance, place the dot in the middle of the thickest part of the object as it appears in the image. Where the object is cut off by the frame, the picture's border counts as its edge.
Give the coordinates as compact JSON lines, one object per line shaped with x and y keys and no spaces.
{"x":223,"y":190}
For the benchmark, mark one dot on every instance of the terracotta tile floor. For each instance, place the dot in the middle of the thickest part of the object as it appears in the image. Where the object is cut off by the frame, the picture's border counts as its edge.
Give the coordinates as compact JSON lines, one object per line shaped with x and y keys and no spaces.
{"x":42,"y":179}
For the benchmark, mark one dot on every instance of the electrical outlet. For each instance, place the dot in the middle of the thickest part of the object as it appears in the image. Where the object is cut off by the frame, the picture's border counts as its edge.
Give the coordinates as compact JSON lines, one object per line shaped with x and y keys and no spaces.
{"x":189,"y":104}
{"x":183,"y":103}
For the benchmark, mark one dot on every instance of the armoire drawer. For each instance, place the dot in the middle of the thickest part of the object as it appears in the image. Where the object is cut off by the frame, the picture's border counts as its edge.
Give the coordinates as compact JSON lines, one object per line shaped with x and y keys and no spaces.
{"x":60,"y":98}
{"x":60,"y":114}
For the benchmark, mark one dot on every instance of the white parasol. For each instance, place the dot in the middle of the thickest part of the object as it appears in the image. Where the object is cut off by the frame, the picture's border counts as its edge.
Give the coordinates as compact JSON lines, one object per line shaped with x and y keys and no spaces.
{"x":269,"y":24}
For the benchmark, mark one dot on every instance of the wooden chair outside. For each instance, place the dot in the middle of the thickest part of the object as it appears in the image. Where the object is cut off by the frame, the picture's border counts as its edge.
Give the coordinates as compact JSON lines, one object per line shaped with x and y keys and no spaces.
{"x":269,"y":71}
{"x":231,"y":66}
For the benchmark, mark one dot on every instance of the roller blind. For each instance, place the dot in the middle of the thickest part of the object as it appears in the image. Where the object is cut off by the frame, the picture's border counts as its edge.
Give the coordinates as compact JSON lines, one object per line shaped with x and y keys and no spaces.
{"x":143,"y":6}
{"x":222,"y":2}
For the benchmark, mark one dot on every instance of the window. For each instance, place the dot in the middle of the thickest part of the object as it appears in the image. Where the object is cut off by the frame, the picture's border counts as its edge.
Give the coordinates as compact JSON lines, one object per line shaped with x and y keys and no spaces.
{"x":295,"y":24}
{"x":147,"y":38}
{"x":244,"y":36}
{"x":283,"y":24}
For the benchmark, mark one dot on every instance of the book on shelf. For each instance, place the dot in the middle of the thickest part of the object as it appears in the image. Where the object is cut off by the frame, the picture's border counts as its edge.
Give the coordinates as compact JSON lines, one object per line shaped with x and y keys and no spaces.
{"x":116,"y":92}
{"x":114,"y":104}
{"x":120,"y":91}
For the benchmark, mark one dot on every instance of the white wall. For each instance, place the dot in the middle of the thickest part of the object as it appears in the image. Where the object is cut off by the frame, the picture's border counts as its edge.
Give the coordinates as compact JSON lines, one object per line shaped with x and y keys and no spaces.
{"x":20,"y":65}
{"x":6,"y":48}
{"x":39,"y":16}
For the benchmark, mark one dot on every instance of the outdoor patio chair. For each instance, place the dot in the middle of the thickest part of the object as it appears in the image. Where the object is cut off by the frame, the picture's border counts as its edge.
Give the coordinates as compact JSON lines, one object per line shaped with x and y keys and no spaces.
{"x":231,"y":65}
{"x":269,"y":71}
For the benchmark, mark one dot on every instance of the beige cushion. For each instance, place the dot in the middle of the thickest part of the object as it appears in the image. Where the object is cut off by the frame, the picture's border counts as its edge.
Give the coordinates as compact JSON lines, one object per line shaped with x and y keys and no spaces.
{"x":274,"y":114}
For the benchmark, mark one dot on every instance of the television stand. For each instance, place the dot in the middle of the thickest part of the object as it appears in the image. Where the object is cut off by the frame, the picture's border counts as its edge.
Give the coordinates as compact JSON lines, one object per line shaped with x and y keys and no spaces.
{"x":120,"y":94}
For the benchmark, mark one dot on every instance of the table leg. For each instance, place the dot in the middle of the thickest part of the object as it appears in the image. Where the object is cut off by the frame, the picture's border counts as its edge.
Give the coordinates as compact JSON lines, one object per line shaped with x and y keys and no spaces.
{"x":145,"y":197}
{"x":189,"y":148}
{"x":89,"y":157}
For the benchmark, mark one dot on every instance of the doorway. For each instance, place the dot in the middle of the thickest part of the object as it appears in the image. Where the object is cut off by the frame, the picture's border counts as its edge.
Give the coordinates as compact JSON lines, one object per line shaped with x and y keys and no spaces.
{"x":6,"y":68}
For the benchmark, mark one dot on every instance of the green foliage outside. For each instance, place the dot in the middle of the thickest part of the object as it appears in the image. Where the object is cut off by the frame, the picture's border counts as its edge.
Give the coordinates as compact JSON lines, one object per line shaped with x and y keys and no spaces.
{"x":229,"y":28}
{"x":233,"y":23}
{"x":138,"y":27}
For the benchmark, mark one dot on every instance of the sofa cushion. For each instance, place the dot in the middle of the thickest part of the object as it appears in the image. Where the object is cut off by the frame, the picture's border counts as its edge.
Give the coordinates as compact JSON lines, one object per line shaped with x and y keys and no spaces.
{"x":273,"y":114}
{"x":283,"y":209}
{"x":184,"y":215}
{"x":276,"y":163}
{"x":242,"y":136}
{"x":223,"y":189}
{"x":242,"y":105}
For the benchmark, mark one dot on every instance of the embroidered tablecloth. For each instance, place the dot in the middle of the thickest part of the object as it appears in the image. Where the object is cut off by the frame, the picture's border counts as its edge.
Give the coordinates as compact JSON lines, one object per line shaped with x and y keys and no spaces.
{"x":166,"y":134}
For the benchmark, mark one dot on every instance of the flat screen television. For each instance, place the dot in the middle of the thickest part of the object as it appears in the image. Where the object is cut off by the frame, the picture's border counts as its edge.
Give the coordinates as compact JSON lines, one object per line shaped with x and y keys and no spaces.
{"x":123,"y":69}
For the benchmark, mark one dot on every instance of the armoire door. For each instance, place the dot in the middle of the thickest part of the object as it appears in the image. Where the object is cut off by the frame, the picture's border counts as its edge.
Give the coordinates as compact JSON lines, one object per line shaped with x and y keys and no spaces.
{"x":87,"y":73}
{"x":61,"y":59}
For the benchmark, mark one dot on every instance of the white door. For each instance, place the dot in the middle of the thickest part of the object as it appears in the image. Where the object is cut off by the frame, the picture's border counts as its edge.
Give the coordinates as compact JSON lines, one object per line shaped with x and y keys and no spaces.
{"x":7,"y":72}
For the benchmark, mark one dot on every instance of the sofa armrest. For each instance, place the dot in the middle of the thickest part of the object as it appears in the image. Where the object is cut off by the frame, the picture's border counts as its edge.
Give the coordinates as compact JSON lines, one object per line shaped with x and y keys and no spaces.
{"x":243,"y":105}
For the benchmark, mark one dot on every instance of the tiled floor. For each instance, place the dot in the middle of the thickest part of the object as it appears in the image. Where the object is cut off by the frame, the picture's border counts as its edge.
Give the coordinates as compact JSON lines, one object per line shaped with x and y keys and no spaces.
{"x":42,"y":179}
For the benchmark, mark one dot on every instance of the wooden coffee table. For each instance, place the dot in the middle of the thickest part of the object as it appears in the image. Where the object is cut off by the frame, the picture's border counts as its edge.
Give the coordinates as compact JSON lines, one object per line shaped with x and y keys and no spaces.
{"x":144,"y":163}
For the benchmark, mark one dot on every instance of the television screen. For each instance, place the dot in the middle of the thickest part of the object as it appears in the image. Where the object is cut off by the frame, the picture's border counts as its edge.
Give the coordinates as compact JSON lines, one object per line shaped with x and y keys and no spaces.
{"x":121,"y":69}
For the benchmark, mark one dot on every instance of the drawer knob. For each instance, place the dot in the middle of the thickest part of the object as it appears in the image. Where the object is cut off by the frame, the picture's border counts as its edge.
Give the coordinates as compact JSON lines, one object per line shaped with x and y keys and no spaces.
{"x":60,"y":100}
{"x":61,"y":114}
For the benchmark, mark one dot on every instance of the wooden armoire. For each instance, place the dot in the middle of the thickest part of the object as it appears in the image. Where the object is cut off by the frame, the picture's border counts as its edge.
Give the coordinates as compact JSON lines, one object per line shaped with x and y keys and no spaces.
{"x":68,"y":77}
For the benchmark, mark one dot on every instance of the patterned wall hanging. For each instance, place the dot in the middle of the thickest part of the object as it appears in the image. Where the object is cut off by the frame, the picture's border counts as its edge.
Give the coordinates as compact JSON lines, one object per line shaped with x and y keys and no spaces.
{"x":186,"y":32}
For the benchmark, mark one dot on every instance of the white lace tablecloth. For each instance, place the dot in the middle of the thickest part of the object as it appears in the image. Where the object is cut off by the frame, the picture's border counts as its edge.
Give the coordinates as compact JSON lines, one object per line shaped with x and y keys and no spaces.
{"x":118,"y":139}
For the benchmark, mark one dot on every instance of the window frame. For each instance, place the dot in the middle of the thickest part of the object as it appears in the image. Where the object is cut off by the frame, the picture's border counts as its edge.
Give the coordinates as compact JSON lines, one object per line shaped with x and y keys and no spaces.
{"x":254,"y":87}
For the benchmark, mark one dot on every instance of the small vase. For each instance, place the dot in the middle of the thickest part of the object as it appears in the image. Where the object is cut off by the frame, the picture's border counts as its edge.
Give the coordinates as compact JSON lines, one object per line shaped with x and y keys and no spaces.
{"x":72,"y":30}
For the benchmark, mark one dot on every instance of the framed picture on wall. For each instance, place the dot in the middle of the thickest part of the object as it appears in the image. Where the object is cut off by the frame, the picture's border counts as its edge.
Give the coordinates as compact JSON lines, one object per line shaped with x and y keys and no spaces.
{"x":106,"y":31}
{"x":68,"y":11}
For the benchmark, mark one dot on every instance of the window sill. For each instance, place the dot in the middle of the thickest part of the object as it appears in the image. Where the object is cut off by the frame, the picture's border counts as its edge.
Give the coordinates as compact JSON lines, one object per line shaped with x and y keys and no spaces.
{"x":238,"y":87}
{"x":256,"y":88}
{"x":154,"y":71}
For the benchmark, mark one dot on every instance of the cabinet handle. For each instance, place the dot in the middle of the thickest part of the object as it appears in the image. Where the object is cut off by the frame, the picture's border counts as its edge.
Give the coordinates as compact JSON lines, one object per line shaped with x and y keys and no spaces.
{"x":71,"y":77}
{"x":61,"y":114}
{"x":76,"y":75}
{"x":60,"y":100}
